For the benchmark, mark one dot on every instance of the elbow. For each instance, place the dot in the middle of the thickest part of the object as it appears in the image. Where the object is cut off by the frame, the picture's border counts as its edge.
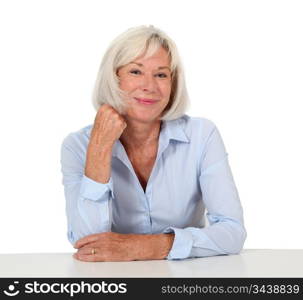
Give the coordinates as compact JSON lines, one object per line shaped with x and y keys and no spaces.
{"x":237,"y":240}
{"x":71,"y":238}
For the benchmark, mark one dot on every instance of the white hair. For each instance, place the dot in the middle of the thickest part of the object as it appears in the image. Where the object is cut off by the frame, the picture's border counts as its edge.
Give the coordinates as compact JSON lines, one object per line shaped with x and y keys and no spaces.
{"x":125,"y":48}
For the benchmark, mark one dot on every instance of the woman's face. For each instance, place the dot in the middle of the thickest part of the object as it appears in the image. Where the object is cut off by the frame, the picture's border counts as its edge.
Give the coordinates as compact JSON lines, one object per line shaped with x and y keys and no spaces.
{"x":147,"y":83}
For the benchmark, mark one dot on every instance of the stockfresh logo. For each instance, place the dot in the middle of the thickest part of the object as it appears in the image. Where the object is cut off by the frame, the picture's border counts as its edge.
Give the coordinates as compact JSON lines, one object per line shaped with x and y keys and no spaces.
{"x":71,"y":289}
{"x":12,"y":291}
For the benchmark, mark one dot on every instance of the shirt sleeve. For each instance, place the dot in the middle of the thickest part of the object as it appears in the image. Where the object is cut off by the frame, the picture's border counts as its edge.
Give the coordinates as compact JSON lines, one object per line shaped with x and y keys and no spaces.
{"x":226,"y":233}
{"x":88,"y":203}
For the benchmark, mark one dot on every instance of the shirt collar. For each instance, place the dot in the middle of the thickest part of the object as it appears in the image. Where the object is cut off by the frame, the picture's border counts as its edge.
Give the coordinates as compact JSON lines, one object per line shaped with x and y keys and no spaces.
{"x":170,"y":130}
{"x":174,"y":130}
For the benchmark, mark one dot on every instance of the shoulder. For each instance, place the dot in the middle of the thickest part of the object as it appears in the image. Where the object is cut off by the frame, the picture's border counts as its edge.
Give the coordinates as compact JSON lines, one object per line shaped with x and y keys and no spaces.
{"x":197,"y":127}
{"x":78,"y":138}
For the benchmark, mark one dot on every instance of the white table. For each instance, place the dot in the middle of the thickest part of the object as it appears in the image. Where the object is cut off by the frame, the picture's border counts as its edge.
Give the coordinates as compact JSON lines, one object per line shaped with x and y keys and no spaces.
{"x":249,"y":263}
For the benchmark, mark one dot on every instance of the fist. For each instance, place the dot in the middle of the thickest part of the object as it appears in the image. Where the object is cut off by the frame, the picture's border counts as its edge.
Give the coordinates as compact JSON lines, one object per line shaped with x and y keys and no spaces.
{"x":108,"y":126}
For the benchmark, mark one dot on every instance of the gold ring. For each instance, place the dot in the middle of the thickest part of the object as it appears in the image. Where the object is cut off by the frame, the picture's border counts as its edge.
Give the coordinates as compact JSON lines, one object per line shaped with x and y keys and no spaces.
{"x":93,"y":251}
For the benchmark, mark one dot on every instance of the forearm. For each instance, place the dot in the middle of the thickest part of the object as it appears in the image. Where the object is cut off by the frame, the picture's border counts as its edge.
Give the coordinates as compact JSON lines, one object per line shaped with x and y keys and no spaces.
{"x":81,"y":195}
{"x":87,"y":201}
{"x":98,"y":163}
{"x":152,"y":246}
{"x":225,"y":237}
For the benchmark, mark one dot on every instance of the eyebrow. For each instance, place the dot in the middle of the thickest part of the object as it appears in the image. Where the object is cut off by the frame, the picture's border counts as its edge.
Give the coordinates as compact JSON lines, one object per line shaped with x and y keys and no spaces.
{"x":141,"y":65}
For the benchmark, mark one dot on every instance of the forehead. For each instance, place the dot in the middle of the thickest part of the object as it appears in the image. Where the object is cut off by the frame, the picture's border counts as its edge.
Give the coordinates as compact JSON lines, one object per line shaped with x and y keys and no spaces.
{"x":160,"y":57}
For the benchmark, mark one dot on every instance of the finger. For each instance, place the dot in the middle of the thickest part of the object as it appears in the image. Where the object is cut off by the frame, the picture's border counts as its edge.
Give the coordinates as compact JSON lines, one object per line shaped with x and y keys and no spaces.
{"x":84,"y":257}
{"x":87,"y":250}
{"x":86,"y":240}
{"x":102,"y":117}
{"x":101,"y":111}
{"x":98,"y":115}
{"x":91,"y":245}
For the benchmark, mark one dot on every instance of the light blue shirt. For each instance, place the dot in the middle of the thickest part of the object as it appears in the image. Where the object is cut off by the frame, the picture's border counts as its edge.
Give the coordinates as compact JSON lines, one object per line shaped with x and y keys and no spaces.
{"x":191,"y":179}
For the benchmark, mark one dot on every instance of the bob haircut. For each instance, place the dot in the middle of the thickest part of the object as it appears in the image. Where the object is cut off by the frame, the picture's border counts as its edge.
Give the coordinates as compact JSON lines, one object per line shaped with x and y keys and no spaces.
{"x":133,"y":43}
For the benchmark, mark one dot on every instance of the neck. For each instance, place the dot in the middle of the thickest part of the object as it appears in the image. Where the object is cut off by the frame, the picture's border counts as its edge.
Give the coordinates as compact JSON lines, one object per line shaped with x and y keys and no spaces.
{"x":138,"y":135}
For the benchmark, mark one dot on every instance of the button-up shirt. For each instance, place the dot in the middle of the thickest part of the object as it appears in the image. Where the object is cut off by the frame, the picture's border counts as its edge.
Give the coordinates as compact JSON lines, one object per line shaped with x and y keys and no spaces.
{"x":191,"y":180}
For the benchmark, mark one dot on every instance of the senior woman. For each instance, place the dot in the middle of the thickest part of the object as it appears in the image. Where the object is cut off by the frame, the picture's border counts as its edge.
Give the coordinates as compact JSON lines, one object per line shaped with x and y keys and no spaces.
{"x":139,"y":182}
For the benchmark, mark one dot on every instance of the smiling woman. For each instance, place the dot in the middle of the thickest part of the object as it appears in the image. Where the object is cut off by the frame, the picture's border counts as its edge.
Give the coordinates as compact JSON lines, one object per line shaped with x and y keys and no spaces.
{"x":138,"y":181}
{"x":147,"y":89}
{"x":127,"y":51}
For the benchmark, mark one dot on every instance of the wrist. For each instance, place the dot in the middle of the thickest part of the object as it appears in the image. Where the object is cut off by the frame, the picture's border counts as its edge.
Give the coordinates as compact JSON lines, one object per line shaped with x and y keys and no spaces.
{"x":152,"y":246}
{"x":164,"y":246}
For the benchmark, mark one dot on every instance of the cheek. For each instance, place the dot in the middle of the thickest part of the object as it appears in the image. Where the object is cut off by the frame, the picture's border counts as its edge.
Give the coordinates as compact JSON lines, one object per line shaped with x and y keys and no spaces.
{"x":127,"y":85}
{"x":166,"y":89}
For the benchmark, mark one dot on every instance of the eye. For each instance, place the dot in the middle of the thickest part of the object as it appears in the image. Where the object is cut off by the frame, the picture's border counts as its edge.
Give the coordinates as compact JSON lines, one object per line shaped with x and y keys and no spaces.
{"x":135,"y":72}
{"x":162,"y":75}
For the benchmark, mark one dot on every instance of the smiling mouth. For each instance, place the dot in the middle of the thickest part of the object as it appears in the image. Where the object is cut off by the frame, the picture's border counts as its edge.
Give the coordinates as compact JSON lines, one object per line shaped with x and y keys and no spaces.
{"x":146,"y":101}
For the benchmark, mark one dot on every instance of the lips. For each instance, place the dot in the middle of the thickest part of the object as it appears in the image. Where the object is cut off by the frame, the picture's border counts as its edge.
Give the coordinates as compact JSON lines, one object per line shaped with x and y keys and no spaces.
{"x":146,"y":101}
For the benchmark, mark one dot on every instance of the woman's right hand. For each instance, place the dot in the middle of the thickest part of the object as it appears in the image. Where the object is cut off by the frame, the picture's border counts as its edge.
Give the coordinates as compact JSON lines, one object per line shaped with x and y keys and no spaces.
{"x":108,"y":127}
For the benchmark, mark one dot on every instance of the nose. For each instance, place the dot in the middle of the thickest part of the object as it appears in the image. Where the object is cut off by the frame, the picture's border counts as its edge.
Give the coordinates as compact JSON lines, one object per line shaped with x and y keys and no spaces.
{"x":149,"y":83}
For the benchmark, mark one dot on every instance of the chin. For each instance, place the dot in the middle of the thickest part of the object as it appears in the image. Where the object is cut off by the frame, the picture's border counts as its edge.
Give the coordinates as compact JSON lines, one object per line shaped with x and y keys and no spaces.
{"x":143,"y":118}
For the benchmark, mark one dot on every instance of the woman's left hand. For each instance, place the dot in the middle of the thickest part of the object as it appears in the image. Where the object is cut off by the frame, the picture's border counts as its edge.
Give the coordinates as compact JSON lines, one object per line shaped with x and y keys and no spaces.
{"x":112,"y":246}
{"x":106,"y":246}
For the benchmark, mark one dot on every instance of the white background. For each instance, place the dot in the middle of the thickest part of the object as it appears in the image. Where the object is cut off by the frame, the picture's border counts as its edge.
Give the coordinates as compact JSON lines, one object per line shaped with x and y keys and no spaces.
{"x":244,"y":71}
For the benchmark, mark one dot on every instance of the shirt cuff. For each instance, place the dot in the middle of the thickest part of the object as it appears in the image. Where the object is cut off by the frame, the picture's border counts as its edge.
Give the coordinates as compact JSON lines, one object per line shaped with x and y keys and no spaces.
{"x":93,"y":190}
{"x":182,"y":244}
